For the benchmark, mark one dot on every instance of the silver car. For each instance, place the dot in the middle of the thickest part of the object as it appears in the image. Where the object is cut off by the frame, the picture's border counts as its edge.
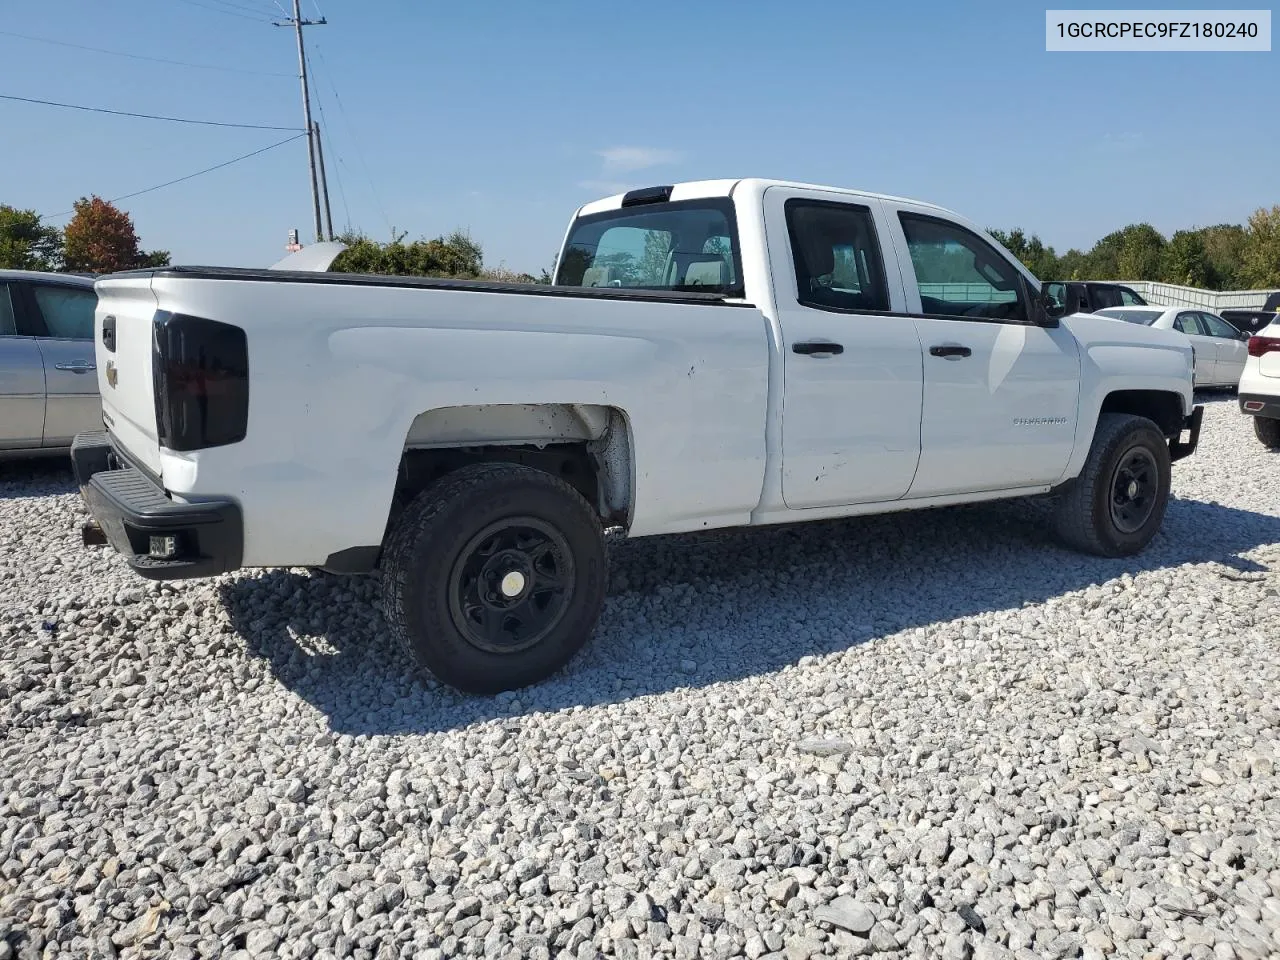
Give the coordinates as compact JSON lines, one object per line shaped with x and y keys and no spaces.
{"x":48,"y":379}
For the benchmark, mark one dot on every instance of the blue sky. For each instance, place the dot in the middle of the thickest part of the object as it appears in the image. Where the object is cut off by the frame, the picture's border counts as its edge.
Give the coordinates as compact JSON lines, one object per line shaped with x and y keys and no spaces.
{"x":501,"y":118}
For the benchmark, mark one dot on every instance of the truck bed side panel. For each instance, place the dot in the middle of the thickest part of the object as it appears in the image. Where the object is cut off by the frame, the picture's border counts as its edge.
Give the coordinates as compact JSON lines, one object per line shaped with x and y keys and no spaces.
{"x":338,"y":372}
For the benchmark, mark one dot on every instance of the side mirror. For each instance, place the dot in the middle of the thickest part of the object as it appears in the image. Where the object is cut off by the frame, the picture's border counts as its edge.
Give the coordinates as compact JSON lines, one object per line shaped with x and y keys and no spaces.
{"x":1045,"y":312}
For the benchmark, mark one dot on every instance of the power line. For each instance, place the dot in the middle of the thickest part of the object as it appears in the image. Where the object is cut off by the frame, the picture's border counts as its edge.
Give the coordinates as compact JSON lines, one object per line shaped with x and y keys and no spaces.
{"x":230,"y":13}
{"x":190,"y":176}
{"x":136,"y":56}
{"x":245,"y":8}
{"x":145,"y":116}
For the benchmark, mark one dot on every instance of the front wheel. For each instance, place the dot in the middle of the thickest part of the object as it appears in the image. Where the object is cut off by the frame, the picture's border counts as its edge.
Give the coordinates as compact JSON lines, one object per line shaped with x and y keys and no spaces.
{"x":495,"y":577}
{"x":1118,"y":502}
{"x":1268,"y":431}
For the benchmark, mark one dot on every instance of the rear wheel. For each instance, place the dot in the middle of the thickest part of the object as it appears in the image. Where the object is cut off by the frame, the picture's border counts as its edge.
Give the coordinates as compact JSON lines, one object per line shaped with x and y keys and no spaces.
{"x":1268,"y":431}
{"x":495,"y":577}
{"x":1118,"y":502}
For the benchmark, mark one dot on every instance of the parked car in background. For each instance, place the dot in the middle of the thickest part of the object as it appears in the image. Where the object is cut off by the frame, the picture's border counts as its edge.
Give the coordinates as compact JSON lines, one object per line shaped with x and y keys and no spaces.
{"x":1260,"y":384}
{"x":1252,"y":321}
{"x":1090,"y":296}
{"x":48,"y":381}
{"x":1220,"y":349}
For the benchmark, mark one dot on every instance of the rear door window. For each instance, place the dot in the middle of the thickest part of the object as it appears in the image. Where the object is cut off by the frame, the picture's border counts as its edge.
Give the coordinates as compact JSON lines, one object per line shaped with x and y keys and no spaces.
{"x":837,"y":256}
{"x":1189,"y":323}
{"x":67,"y":311}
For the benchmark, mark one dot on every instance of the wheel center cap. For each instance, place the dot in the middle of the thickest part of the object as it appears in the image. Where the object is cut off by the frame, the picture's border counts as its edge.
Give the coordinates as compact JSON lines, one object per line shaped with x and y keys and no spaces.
{"x":1133,"y":489}
{"x":512,"y":584}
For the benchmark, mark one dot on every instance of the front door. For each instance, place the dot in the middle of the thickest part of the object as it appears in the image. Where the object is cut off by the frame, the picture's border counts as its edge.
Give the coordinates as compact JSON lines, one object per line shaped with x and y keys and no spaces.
{"x":1000,"y":393}
{"x":73,"y":405}
{"x":852,"y":369}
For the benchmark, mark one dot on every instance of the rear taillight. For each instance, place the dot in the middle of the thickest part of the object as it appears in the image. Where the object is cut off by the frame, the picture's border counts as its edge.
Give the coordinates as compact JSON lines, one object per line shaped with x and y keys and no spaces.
{"x":201,"y":370}
{"x":1260,"y":345}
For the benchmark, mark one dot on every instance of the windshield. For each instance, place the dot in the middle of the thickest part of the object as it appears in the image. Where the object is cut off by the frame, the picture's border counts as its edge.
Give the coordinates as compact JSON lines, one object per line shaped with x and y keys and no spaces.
{"x":690,"y":245}
{"x":1144,"y":317}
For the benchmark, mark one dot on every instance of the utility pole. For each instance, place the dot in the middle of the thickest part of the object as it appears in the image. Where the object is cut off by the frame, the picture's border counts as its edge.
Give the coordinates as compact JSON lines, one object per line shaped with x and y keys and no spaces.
{"x":298,"y":23}
{"x":324,"y":184}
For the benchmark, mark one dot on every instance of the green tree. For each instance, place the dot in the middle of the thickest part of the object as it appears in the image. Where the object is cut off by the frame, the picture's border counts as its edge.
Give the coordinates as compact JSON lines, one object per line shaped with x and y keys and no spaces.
{"x":456,"y":255}
{"x":1132,"y":253}
{"x":101,"y":239}
{"x":1035,"y":256}
{"x":1185,"y":260}
{"x":25,"y":243}
{"x":1224,"y":248}
{"x":1073,"y":265}
{"x":1260,"y":254}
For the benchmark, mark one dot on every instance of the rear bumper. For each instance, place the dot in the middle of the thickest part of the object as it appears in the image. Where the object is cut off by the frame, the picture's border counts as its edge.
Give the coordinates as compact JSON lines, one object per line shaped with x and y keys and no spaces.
{"x":1179,"y":448}
{"x":132,"y":508}
{"x":1260,"y":405}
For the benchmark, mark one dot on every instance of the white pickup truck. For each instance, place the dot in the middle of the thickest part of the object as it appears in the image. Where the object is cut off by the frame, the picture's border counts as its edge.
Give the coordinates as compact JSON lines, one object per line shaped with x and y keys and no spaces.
{"x":711,"y":354}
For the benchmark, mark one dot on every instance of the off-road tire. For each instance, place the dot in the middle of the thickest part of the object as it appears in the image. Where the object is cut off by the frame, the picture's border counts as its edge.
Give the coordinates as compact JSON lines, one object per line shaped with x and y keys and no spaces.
{"x":1085,"y":519}
{"x":1268,"y":432}
{"x":427,"y":542}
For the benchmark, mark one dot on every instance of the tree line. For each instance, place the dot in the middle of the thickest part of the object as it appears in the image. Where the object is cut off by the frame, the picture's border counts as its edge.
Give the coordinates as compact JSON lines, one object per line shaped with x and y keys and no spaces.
{"x":1226,"y":256}
{"x":99,"y":238}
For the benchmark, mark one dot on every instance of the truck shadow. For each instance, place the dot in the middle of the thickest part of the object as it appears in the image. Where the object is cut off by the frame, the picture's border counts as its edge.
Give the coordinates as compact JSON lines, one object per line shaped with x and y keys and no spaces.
{"x":36,"y":477}
{"x":695,"y":611}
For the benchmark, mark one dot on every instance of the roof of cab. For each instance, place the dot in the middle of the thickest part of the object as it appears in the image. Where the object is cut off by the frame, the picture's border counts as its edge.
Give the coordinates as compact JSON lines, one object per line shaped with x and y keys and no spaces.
{"x":79,"y":279}
{"x":699,"y":189}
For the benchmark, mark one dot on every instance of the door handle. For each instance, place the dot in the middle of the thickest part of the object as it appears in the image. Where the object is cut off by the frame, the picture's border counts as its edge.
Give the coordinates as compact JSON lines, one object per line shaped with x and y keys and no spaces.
{"x":78,"y":366}
{"x":817,"y":348}
{"x":950,"y":351}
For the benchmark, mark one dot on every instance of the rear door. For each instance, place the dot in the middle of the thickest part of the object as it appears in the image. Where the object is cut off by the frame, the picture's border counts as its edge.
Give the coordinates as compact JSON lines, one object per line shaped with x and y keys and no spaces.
{"x":1233,"y":348}
{"x":1204,"y":346}
{"x":65,"y":313}
{"x":1000,"y":393}
{"x":21,"y":377}
{"x":851,"y":357}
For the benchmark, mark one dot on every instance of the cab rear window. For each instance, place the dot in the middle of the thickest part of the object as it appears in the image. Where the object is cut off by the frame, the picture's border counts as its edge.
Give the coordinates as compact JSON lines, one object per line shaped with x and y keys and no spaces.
{"x":689,"y":246}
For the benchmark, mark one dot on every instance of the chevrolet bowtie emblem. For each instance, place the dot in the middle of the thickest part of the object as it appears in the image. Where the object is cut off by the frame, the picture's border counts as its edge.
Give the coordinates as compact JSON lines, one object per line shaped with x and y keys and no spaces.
{"x":111,"y":373}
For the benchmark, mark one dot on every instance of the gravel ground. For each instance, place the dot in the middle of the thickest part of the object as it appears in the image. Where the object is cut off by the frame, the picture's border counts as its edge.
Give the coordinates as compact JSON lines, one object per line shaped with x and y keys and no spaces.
{"x":925,"y":735}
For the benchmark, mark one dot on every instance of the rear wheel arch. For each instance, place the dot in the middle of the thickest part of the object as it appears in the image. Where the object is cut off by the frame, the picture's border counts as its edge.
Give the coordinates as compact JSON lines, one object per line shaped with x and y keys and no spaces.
{"x":588,"y":446}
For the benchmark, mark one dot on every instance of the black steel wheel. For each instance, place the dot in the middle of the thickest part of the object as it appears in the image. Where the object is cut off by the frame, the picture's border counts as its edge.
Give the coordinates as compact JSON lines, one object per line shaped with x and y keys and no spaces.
{"x":1135,"y":486}
{"x":511,"y":584}
{"x":494,"y":576}
{"x":1116,"y":504}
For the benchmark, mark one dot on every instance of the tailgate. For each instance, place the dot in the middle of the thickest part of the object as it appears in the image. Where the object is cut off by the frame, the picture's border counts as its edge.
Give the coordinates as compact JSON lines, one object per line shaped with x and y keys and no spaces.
{"x":123,"y":331}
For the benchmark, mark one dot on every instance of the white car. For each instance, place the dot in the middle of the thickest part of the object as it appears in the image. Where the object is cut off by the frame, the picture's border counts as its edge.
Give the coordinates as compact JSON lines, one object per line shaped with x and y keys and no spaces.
{"x":1220,"y":350}
{"x":714,"y":354}
{"x":1260,"y":385}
